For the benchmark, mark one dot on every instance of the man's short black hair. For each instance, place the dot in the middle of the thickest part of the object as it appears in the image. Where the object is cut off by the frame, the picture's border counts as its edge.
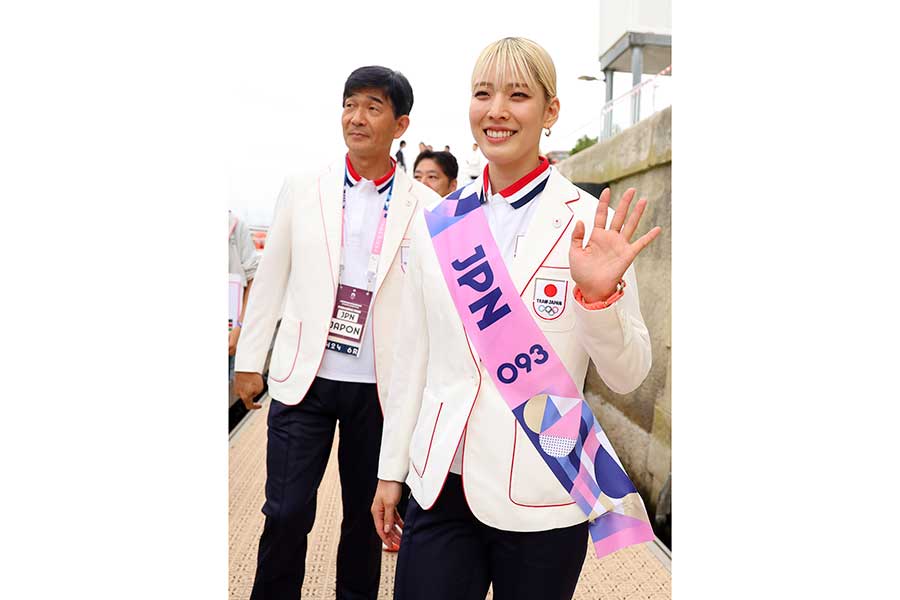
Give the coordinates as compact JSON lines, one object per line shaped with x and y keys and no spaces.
{"x":392,"y":83}
{"x":445,"y":160}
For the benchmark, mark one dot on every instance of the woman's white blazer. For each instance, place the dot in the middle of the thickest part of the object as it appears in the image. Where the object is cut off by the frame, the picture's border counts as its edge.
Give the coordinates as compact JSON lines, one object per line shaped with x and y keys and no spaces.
{"x":439,"y":387}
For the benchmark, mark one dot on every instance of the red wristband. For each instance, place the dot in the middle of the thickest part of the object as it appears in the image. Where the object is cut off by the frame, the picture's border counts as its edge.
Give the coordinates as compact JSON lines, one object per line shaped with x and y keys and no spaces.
{"x":620,"y":291}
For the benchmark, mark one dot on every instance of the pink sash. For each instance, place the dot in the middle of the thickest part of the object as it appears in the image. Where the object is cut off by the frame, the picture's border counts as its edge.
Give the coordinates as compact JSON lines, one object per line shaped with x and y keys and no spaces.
{"x":531,"y":378}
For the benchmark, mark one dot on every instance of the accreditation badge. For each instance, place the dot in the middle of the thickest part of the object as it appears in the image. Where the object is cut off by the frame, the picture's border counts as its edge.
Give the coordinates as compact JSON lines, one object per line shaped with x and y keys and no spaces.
{"x":549,"y":297}
{"x":348,"y":322}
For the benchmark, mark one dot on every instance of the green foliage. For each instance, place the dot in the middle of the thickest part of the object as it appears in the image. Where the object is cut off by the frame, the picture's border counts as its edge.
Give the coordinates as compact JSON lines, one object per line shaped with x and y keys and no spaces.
{"x":582,"y":143}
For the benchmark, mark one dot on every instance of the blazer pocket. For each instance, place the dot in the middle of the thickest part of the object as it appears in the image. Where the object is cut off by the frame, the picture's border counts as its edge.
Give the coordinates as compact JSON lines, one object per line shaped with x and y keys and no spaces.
{"x":531,"y":482}
{"x":423,"y":435}
{"x":550,"y":300}
{"x":286,"y":351}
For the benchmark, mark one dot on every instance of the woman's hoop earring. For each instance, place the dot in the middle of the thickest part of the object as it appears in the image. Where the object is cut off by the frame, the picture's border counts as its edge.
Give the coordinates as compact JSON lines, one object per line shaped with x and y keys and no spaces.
{"x":547,"y":133}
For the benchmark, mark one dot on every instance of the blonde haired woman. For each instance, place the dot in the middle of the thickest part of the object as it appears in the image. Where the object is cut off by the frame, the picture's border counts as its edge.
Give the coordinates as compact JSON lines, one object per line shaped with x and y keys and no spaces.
{"x":507,"y":297}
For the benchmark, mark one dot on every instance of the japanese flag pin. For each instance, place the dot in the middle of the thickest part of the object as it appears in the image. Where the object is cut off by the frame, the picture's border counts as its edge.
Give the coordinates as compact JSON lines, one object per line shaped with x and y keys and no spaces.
{"x":557,"y":223}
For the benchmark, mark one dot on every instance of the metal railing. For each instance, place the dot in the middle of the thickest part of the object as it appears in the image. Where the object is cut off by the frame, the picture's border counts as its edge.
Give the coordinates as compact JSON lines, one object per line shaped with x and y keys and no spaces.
{"x":621,"y":113}
{"x":638,"y":103}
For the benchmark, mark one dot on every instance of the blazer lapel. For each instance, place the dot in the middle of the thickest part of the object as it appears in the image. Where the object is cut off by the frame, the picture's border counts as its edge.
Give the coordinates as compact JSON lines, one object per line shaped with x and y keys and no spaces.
{"x":331,"y":192}
{"x":550,"y":221}
{"x":400,"y":212}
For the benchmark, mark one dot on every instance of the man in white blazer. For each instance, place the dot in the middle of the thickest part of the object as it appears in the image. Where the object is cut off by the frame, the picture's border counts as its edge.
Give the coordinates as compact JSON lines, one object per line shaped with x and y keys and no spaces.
{"x":335,"y":260}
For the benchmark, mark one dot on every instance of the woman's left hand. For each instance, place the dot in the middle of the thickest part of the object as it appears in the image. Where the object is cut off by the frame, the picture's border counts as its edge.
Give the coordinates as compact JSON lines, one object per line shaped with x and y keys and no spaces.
{"x":599,"y":266}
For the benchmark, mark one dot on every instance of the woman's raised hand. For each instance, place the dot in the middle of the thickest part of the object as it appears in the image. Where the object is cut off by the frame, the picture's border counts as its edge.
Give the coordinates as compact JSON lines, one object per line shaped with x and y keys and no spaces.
{"x":598,"y":266}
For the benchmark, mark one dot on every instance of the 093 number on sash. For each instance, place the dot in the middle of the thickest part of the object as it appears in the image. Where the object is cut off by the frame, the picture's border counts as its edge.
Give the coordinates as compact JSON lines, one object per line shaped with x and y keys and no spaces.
{"x":509,"y":372}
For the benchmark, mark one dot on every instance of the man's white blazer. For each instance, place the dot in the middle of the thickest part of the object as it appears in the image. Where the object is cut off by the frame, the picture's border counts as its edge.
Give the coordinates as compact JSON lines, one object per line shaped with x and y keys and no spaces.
{"x":443,"y":387}
{"x":299,"y":272}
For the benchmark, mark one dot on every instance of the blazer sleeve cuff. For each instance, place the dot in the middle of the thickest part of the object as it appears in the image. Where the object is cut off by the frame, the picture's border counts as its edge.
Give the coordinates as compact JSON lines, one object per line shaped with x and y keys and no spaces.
{"x":393,"y":472}
{"x":606,"y":325}
{"x":246,"y":362}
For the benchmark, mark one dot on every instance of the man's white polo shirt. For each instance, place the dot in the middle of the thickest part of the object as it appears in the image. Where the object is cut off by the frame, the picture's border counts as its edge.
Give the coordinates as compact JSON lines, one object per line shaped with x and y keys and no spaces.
{"x":364,"y":207}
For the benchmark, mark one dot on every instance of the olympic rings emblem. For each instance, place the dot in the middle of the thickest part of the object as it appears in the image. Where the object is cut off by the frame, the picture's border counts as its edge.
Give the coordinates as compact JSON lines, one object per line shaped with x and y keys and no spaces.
{"x":549,"y":310}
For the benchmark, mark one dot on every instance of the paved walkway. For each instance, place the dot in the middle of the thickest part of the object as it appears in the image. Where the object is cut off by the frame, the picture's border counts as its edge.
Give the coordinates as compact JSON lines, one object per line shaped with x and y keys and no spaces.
{"x":641,"y":572}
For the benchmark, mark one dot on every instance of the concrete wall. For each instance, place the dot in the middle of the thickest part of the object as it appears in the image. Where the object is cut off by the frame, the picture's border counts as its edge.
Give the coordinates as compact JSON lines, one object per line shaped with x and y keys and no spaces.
{"x":639,"y":424}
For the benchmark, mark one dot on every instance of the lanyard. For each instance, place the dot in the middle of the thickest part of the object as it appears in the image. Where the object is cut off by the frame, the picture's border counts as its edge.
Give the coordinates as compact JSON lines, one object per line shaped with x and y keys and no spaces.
{"x":377,"y":243}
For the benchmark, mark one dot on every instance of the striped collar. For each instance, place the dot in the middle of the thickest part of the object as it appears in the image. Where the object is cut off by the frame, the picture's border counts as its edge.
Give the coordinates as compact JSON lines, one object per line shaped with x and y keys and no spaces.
{"x":525,"y":189}
{"x":351,"y":177}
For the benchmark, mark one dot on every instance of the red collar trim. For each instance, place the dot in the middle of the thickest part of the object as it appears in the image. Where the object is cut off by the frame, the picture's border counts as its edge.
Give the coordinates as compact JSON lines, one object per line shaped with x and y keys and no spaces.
{"x":518,"y":185}
{"x":356,"y":177}
{"x":381,"y":180}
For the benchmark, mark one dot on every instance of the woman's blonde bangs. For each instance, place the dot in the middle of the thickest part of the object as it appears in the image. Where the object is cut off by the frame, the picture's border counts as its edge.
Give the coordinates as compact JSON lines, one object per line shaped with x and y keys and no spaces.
{"x":516,"y":60}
